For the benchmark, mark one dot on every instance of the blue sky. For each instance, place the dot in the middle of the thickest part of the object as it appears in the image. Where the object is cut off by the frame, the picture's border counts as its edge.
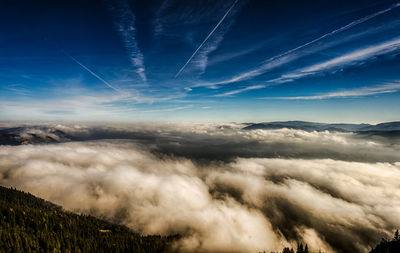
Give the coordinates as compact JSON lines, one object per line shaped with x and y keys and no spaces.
{"x":208,"y":60}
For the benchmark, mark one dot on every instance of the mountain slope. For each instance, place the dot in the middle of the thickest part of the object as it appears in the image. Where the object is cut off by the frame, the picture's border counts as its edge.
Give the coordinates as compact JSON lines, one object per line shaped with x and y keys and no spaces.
{"x":30,"y":224}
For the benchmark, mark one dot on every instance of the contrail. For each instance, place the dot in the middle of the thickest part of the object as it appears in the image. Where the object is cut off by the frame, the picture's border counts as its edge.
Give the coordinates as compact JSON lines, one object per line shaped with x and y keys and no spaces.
{"x":93,"y":74}
{"x":208,"y":36}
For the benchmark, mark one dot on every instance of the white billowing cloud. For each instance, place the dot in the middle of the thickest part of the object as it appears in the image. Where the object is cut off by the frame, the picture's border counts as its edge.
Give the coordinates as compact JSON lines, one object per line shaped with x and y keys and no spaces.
{"x":243,"y":205}
{"x":109,"y":179}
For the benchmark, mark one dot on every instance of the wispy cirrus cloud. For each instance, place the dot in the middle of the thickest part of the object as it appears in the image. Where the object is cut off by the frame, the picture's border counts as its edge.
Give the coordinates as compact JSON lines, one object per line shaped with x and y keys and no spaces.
{"x":168,"y":109}
{"x":157,"y":23}
{"x":356,"y":57}
{"x":234,"y":92}
{"x":357,"y":92}
{"x":109,"y":106}
{"x":293,"y":54}
{"x":124,"y":21}
{"x":235,"y":54}
{"x":18,"y":89}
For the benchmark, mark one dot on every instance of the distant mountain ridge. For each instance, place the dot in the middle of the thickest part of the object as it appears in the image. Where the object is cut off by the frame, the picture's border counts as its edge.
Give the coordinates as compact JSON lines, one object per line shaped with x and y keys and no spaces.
{"x":32,"y":135}
{"x":45,"y":134}
{"x":316,"y":126}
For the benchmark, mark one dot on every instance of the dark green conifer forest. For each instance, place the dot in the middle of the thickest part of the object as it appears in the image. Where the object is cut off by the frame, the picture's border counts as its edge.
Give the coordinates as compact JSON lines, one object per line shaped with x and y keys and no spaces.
{"x":30,"y":224}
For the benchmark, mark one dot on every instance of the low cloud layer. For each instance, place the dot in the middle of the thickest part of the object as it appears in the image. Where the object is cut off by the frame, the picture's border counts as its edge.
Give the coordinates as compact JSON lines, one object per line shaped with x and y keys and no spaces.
{"x":223,"y":189}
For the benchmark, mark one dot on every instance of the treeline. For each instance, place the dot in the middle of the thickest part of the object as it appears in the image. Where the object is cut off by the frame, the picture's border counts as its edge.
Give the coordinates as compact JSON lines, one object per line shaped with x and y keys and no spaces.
{"x":300,"y":249}
{"x":29,"y":224}
{"x":388,"y":246}
{"x":385,"y":246}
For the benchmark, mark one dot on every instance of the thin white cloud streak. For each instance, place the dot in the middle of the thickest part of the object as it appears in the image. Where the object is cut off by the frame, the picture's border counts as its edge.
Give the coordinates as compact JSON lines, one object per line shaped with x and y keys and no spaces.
{"x":18,"y":89}
{"x":234,"y":92}
{"x":355,"y":57}
{"x":93,"y":73}
{"x":233,"y":55}
{"x":358,"y":92}
{"x":170,"y":109}
{"x":287,"y":56}
{"x":124,"y":21}
{"x":208,"y":36}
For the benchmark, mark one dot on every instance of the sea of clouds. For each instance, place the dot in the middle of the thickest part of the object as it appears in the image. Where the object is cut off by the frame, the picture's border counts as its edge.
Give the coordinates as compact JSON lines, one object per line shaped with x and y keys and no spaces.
{"x":223,"y":189}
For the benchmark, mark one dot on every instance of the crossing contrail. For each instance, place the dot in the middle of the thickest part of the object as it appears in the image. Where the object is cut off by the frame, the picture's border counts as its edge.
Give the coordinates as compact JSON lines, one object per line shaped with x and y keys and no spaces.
{"x":93,"y":74}
{"x":348,"y":26}
{"x":208,"y":36}
{"x":280,"y":59}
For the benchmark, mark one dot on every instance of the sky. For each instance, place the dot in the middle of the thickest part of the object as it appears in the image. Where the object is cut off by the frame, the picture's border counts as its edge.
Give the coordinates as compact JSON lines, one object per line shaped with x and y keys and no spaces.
{"x":208,"y":60}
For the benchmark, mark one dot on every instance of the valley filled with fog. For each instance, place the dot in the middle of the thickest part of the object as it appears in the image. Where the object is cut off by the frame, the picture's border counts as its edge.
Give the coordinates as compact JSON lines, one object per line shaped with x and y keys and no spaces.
{"x":223,"y":188}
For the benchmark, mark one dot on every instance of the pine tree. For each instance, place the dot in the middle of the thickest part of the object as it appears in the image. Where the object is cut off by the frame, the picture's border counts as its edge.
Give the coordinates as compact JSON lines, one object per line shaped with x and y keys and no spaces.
{"x":396,"y":236}
{"x":300,"y":248}
{"x":306,"y":249}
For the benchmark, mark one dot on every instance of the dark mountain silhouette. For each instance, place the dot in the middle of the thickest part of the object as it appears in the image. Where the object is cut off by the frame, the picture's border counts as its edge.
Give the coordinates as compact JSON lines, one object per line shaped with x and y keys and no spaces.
{"x":389,"y":126}
{"x":315,"y":126}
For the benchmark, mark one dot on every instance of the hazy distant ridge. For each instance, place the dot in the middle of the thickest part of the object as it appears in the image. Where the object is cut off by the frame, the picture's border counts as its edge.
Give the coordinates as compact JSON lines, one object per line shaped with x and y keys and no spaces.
{"x":315,"y":126}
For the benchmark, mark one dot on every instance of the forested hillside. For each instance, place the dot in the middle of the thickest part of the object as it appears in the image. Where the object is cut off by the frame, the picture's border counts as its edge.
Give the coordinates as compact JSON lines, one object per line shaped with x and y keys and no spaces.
{"x":30,"y":224}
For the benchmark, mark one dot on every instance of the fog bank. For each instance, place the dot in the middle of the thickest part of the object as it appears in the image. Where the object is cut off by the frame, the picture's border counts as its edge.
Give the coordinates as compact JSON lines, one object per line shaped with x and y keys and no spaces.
{"x":223,"y":190}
